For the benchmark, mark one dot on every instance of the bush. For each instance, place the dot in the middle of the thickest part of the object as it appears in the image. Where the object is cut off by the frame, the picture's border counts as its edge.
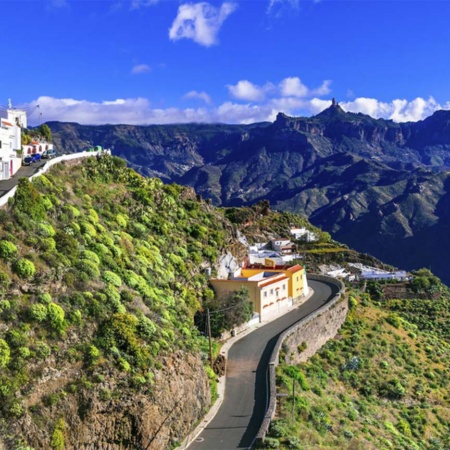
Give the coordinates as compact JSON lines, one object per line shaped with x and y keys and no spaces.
{"x":56,"y":316}
{"x":57,"y":438}
{"x":8,"y":250}
{"x":42,"y":350}
{"x":45,"y":298}
{"x":111,"y":278}
{"x":90,"y":256}
{"x":45,"y":230}
{"x":38,"y":312}
{"x":5,"y":353}
{"x":90,"y":268}
{"x":24,"y":268}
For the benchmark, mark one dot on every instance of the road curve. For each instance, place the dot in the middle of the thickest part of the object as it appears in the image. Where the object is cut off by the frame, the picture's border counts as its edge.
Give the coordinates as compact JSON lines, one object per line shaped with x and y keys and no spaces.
{"x":238,"y":419}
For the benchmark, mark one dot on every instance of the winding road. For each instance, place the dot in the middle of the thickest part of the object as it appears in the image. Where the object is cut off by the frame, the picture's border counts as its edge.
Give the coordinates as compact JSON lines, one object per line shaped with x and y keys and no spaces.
{"x":237,"y":421}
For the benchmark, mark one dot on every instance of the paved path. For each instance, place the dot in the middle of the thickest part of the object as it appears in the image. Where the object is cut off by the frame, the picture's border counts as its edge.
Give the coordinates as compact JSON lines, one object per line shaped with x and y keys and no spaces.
{"x":24,"y":171}
{"x":238,"y":420}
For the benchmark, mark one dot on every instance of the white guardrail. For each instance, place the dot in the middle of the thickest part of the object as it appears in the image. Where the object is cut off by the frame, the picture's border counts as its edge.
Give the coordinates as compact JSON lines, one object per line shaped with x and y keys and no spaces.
{"x":51,"y":162}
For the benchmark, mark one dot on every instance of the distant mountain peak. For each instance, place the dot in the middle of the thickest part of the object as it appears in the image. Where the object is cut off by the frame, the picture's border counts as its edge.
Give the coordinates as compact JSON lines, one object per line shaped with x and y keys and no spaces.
{"x":334,"y":110}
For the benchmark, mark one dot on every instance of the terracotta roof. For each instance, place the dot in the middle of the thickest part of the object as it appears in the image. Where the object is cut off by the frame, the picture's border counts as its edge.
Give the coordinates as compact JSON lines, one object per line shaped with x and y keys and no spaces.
{"x":273,"y":281}
{"x":9,"y":124}
{"x":295,"y":268}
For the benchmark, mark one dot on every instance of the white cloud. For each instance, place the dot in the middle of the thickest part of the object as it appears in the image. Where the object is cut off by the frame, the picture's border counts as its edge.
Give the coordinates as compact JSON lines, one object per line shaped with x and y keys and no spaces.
{"x":200,"y":22}
{"x":293,"y":87}
{"x":139,"y":111}
{"x":141,"y":68}
{"x":245,"y":90}
{"x":399,"y":110}
{"x":198,"y":95}
{"x":136,"y":4}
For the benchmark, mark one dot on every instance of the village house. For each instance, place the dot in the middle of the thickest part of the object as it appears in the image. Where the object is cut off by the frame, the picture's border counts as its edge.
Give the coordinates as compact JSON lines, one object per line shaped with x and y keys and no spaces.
{"x":284,"y":246}
{"x":304,"y":234}
{"x":10,"y":142}
{"x":271,"y":289}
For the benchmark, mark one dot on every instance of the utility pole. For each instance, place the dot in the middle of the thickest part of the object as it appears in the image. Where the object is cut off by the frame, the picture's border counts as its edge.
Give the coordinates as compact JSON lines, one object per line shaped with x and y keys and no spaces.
{"x":293,"y":401}
{"x":210,"y":339}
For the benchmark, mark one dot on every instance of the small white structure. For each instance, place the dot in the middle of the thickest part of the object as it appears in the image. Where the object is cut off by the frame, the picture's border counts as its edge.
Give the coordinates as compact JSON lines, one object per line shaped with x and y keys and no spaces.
{"x":285,"y":246}
{"x":333,"y":271}
{"x":304,"y":234}
{"x":373,"y":273}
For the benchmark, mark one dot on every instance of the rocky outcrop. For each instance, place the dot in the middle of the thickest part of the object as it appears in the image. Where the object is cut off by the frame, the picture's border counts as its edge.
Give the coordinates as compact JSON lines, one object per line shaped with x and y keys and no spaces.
{"x":112,"y":416}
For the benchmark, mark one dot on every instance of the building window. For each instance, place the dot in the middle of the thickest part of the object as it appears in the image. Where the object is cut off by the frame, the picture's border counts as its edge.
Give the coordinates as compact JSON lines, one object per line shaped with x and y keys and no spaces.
{"x":284,"y":287}
{"x":271,"y":292}
{"x":297,"y":278}
{"x":265,"y":293}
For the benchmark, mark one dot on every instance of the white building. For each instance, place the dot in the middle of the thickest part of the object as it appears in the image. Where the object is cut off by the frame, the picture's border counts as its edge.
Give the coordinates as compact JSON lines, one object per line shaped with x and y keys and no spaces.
{"x":304,"y":234}
{"x":10,"y":142}
{"x":373,"y":273}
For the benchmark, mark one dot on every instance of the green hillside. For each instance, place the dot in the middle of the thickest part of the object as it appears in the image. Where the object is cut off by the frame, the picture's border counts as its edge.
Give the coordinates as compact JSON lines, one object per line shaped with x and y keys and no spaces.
{"x":382,"y":383}
{"x":101,"y":272}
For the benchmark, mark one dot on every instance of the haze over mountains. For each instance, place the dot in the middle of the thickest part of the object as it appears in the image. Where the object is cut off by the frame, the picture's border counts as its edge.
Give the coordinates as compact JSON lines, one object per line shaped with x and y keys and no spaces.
{"x":379,"y":186}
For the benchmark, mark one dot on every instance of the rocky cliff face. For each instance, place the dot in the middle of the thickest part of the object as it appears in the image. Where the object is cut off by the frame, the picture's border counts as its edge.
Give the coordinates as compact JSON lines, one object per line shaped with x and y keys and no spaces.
{"x":373,"y":183}
{"x":110,"y":417}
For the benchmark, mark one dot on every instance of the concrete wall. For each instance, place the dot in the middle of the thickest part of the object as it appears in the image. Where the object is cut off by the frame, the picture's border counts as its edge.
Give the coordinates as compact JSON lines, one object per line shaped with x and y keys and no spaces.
{"x":315,"y":329}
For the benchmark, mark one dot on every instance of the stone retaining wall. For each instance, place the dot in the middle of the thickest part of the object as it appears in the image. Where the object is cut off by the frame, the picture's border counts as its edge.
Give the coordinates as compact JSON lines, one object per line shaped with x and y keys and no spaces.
{"x":315,"y":330}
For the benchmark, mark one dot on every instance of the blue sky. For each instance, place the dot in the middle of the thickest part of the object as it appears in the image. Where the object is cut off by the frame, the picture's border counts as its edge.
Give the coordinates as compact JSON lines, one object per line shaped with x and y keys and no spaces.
{"x":237,"y":61}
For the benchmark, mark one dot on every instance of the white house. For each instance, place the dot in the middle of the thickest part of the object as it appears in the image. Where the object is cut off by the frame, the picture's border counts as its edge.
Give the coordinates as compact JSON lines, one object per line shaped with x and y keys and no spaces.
{"x":304,"y":234}
{"x":10,"y":142}
{"x":285,"y":246}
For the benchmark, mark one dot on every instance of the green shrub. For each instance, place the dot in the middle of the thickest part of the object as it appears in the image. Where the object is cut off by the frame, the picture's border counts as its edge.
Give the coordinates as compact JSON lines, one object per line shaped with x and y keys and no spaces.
{"x":5,"y":353}
{"x":4,"y":305}
{"x":4,"y":279}
{"x":45,"y":230}
{"x":146,"y":327}
{"x":90,"y":268}
{"x":88,"y":229}
{"x":47,"y":244}
{"x":42,"y":350}
{"x":57,"y":439}
{"x":92,"y":216}
{"x":24,"y":268}
{"x":90,"y":256}
{"x":56,"y":316}
{"x":8,"y":250}
{"x":122,"y":220}
{"x":45,"y":298}
{"x":38,"y":312}
{"x":92,"y":354}
{"x":111,"y":278}
{"x":24,"y":352}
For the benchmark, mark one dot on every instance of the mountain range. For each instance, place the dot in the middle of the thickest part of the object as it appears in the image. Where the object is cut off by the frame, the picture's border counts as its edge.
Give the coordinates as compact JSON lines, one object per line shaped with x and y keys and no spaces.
{"x":379,"y":186}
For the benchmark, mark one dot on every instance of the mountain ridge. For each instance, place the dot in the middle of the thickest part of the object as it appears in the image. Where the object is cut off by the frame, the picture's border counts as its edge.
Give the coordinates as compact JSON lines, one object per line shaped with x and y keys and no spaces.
{"x":382,"y":182}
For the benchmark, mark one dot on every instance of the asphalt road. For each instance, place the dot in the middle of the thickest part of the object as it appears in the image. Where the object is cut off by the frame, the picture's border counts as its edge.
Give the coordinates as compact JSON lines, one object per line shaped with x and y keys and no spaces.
{"x":238,"y":420}
{"x":24,"y":171}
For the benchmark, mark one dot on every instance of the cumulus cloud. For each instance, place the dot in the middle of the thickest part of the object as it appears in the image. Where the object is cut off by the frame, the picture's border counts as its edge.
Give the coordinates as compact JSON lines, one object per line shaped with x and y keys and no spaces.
{"x":139,"y":111}
{"x":198,"y":95}
{"x":245,"y":90}
{"x":293,"y":87}
{"x":140,"y":68}
{"x":200,"y":22}
{"x":398,"y":110}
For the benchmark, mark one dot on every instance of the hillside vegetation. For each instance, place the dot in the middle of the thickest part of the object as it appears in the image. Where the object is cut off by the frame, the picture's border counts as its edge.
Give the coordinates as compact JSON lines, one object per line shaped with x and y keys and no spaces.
{"x":101,"y":272}
{"x":382,"y":383}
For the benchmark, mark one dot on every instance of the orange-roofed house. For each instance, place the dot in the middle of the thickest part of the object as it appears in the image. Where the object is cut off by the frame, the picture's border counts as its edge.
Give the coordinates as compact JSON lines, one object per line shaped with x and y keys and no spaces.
{"x":268,"y":291}
{"x":298,"y":285}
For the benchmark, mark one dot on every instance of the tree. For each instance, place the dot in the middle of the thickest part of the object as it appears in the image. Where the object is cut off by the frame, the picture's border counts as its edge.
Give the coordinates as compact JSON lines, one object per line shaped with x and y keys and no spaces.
{"x":45,"y":131}
{"x":226,"y":313}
